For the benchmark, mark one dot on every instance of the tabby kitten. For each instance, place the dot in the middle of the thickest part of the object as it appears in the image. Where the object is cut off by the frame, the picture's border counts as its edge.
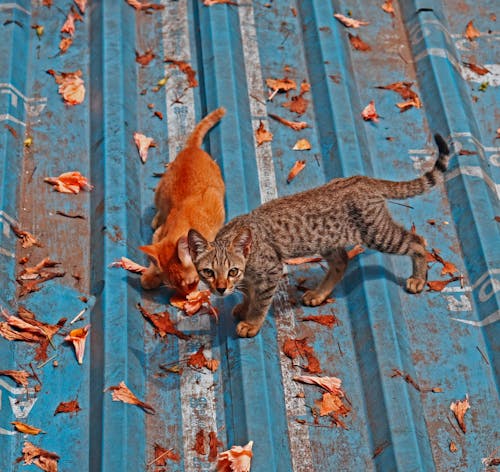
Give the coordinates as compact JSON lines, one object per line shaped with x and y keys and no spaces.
{"x":248,"y":252}
{"x":190,"y":194}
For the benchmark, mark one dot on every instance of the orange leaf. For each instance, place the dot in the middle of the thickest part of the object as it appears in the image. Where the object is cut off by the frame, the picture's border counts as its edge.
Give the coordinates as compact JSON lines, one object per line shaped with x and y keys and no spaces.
{"x":199,"y":444}
{"x":459,"y":409}
{"x":128,"y":264}
{"x":294,"y":348}
{"x":77,"y":337}
{"x":212,"y":364}
{"x":358,"y":249}
{"x":71,"y":86}
{"x":302,"y":145}
{"x":68,"y":407}
{"x":295,"y":170}
{"x":44,"y":459}
{"x":81,"y":4}
{"x":280,"y":85}
{"x":143,"y":144}
{"x":236,"y":459}
{"x":471,"y":33}
{"x":69,"y":25}
{"x":295,"y":125}
{"x":325,"y":320}
{"x":358,"y":43}
{"x":479,"y":70}
{"x":27,"y":239}
{"x":302,"y":260}
{"x":439,"y":285}
{"x":369,"y":113}
{"x":388,"y":7}
{"x":69,"y":182}
{"x":146,"y":58}
{"x":262,"y":135}
{"x":298,"y":104}
{"x":162,"y":323}
{"x":26,"y":428}
{"x":209,"y":3}
{"x":162,"y":454}
{"x":196,"y":302}
{"x":330,"y":384}
{"x":186,"y":69}
{"x":19,"y":376}
{"x":122,"y":393}
{"x":145,"y":6}
{"x":332,"y":404}
{"x":350,"y":22}
{"x":404,"y":106}
{"x":65,"y":44}
{"x":213,"y":444}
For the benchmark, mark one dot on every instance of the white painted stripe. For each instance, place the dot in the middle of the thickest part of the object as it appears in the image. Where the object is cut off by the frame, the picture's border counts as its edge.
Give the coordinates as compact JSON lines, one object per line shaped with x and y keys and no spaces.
{"x":198,"y":407}
{"x":298,"y":434}
{"x":490,"y":319}
{"x":493,"y":77}
{"x":4,"y":252}
{"x":14,"y":6}
{"x":7,"y":432}
{"x":474,"y":171}
{"x":7,"y":117}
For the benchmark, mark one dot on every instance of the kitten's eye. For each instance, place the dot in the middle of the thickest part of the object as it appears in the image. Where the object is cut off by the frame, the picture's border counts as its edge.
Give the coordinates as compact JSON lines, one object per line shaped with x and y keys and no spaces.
{"x":233,"y":272}
{"x":207,"y":273}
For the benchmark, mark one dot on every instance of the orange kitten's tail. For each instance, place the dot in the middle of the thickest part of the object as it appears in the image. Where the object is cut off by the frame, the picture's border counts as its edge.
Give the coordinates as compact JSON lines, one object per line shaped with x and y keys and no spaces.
{"x":202,"y":128}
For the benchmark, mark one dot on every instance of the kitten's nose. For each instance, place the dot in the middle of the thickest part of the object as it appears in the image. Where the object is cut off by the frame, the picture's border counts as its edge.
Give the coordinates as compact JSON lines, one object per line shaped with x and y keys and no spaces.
{"x":221,"y":290}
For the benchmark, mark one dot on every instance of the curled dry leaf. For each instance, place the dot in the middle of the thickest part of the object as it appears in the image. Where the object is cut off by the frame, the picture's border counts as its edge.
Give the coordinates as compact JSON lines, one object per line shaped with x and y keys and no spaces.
{"x":145,"y":58}
{"x":27,"y":239}
{"x":198,"y":361}
{"x":64,"y":44}
{"x":19,"y":376}
{"x":186,"y":69}
{"x":295,"y":170}
{"x":439,"y":285}
{"x":302,"y":145}
{"x":358,"y":43}
{"x":326,"y":320}
{"x":26,"y":428}
{"x":280,"y":85}
{"x":77,"y":337}
{"x":330,"y":384}
{"x":369,"y":113}
{"x":69,"y":182}
{"x":209,"y":3}
{"x":122,"y":393}
{"x":471,"y":33}
{"x":36,"y":271}
{"x":459,"y":409}
{"x":356,"y":250}
{"x":303,"y":260}
{"x":236,"y":459}
{"x":298,"y":103}
{"x":404,"y":89}
{"x":162,"y":323}
{"x":295,"y":125}
{"x":448,"y":267}
{"x":479,"y":70}
{"x":332,"y":404}
{"x":68,"y":407}
{"x":388,"y":7}
{"x":128,"y":264}
{"x":69,"y":25}
{"x":143,"y":144}
{"x":43,"y":459}
{"x":82,"y":5}
{"x":294,"y":348}
{"x":162,"y":454}
{"x":350,"y":22}
{"x":199,"y":445}
{"x":196,"y":302}
{"x":145,"y":6}
{"x":213,"y":444}
{"x":71,"y":86}
{"x":262,"y":135}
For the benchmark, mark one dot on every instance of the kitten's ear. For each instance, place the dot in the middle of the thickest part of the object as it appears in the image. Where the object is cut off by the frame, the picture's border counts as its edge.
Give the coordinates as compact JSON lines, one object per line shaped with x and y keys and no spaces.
{"x":197,"y":243}
{"x":152,"y":252}
{"x":183,"y":252}
{"x":243,"y":242}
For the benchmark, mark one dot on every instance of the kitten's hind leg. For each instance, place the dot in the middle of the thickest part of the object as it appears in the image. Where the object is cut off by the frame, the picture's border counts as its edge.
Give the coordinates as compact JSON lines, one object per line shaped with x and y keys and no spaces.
{"x":337,"y":264}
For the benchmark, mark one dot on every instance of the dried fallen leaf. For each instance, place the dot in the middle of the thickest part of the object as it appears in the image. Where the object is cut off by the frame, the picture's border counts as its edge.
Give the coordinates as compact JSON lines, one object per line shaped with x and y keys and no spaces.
{"x":196,"y":302}
{"x":298,"y":104}
{"x":43,"y":459}
{"x":212,"y":364}
{"x":29,"y":273}
{"x":27,"y":239}
{"x":145,"y":6}
{"x":350,"y":22}
{"x":303,"y":260}
{"x":143,"y":144}
{"x":262,"y":135}
{"x":453,"y":447}
{"x":330,"y":384}
{"x":186,"y":69}
{"x":77,"y":337}
{"x":162,"y":323}
{"x":199,"y":444}
{"x":29,"y":285}
{"x":295,"y":170}
{"x":358,"y":249}
{"x":69,"y":182}
{"x":439,"y":285}
{"x":128,"y":264}
{"x":369,"y":113}
{"x":280,"y":85}
{"x":122,"y":393}
{"x":295,"y":125}
{"x":65,"y":44}
{"x":388,"y":7}
{"x":358,"y":43}
{"x":333,"y":405}
{"x":209,"y":3}
{"x":39,"y":29}
{"x":71,"y":86}
{"x":198,"y":361}
{"x":19,"y":376}
{"x":82,"y":5}
{"x":471,"y":33}
{"x":162,"y":454}
{"x":479,"y":70}
{"x":302,"y":145}
{"x":325,"y":320}
{"x":26,"y":428}
{"x":236,"y":459}
{"x":68,"y":407}
{"x":404,"y":89}
{"x":69,"y":25}
{"x":459,"y":409}
{"x":294,"y":348}
{"x":145,"y":58}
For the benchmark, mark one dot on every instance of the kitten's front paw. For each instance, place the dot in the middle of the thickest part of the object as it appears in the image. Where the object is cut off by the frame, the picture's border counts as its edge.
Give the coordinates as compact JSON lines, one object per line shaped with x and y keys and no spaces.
{"x":313,"y":298}
{"x":247,"y":330}
{"x":415,"y":285}
{"x":239,"y":311}
{"x":149,"y":281}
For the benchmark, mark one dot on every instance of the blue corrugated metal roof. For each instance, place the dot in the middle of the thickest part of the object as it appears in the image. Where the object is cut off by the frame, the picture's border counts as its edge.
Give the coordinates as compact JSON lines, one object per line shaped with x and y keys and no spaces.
{"x":447,"y":340}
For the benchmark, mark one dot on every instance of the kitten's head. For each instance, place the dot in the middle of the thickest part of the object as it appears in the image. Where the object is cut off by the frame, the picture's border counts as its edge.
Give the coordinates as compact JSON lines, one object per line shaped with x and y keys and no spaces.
{"x":220,"y":264}
{"x":174,"y":265}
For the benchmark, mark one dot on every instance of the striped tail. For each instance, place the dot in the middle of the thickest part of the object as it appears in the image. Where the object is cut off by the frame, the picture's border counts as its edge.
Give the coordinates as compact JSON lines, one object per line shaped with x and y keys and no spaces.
{"x":411,"y":188}
{"x":202,"y":128}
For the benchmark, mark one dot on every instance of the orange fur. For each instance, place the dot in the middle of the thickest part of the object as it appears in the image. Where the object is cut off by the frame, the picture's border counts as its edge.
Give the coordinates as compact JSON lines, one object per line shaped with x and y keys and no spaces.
{"x":189,"y":195}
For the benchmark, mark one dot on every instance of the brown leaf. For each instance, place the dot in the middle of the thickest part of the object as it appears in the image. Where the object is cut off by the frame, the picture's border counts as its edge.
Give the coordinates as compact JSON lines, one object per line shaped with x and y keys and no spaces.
{"x":64,"y":44}
{"x":69,"y":25}
{"x":439,"y":285}
{"x":459,"y":409}
{"x":332,"y":404}
{"x":369,"y":113}
{"x":77,"y":337}
{"x":145,"y":6}
{"x":162,"y":323}
{"x":388,"y":7}
{"x":326,"y":320}
{"x":199,"y":444}
{"x":145,"y":58}
{"x":26,"y":428}
{"x":196,"y":302}
{"x":262,"y":135}
{"x":350,"y":22}
{"x":128,"y":264}
{"x":358,"y":249}
{"x":162,"y":454}
{"x":68,"y":407}
{"x":479,"y":70}
{"x":358,"y":43}
{"x":448,"y":267}
{"x":209,"y":3}
{"x":298,"y":104}
{"x":122,"y":393}
{"x":330,"y":384}
{"x":453,"y":447}
{"x":186,"y":69}
{"x":213,"y":444}
{"x":198,"y":359}
{"x":11,"y":130}
{"x":212,"y":364}
{"x":27,"y":239}
{"x":302,"y":260}
{"x":69,"y":182}
{"x":471,"y":33}
{"x":19,"y":376}
{"x":237,"y":459}
{"x":81,"y":4}
{"x":45,"y":460}
{"x":295,"y":170}
{"x":295,"y":125}
{"x":71,"y":86}
{"x":280,"y":85}
{"x":302,"y":145}
{"x":294,"y":348}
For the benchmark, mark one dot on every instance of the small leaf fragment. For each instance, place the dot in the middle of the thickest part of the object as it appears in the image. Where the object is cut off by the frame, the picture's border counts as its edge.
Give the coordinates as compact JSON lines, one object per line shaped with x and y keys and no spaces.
{"x":122,"y":393}
{"x":302,"y":145}
{"x":369,"y":113}
{"x":358,"y":43}
{"x":236,"y":459}
{"x":262,"y":135}
{"x":297,"y":167}
{"x":471,"y":33}
{"x":459,"y":408}
{"x":143,"y":144}
{"x":26,"y":428}
{"x":77,"y":337}
{"x":350,"y":22}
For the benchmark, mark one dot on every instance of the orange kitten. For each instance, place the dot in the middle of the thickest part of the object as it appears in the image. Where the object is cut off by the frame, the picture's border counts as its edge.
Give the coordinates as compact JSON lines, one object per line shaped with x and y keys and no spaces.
{"x":189,"y":195}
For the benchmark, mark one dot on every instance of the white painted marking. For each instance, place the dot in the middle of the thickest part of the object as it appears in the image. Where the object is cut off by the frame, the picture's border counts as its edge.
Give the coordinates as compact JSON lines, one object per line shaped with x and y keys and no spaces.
{"x":7,"y":221}
{"x":8,"y":117}
{"x":490,"y":319}
{"x":298,"y":435}
{"x":7,"y":432}
{"x":33,"y":105}
{"x":21,"y":404}
{"x":14,"y":6}
{"x":462,"y":304}
{"x":7,"y":253}
{"x":474,"y":171}
{"x":493,"y":77}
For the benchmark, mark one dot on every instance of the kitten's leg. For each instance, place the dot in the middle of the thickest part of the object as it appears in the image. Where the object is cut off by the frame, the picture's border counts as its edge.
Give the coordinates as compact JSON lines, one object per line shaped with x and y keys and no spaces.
{"x":241,"y":309}
{"x":151,"y":278}
{"x":337,"y":264}
{"x":259,"y":302}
